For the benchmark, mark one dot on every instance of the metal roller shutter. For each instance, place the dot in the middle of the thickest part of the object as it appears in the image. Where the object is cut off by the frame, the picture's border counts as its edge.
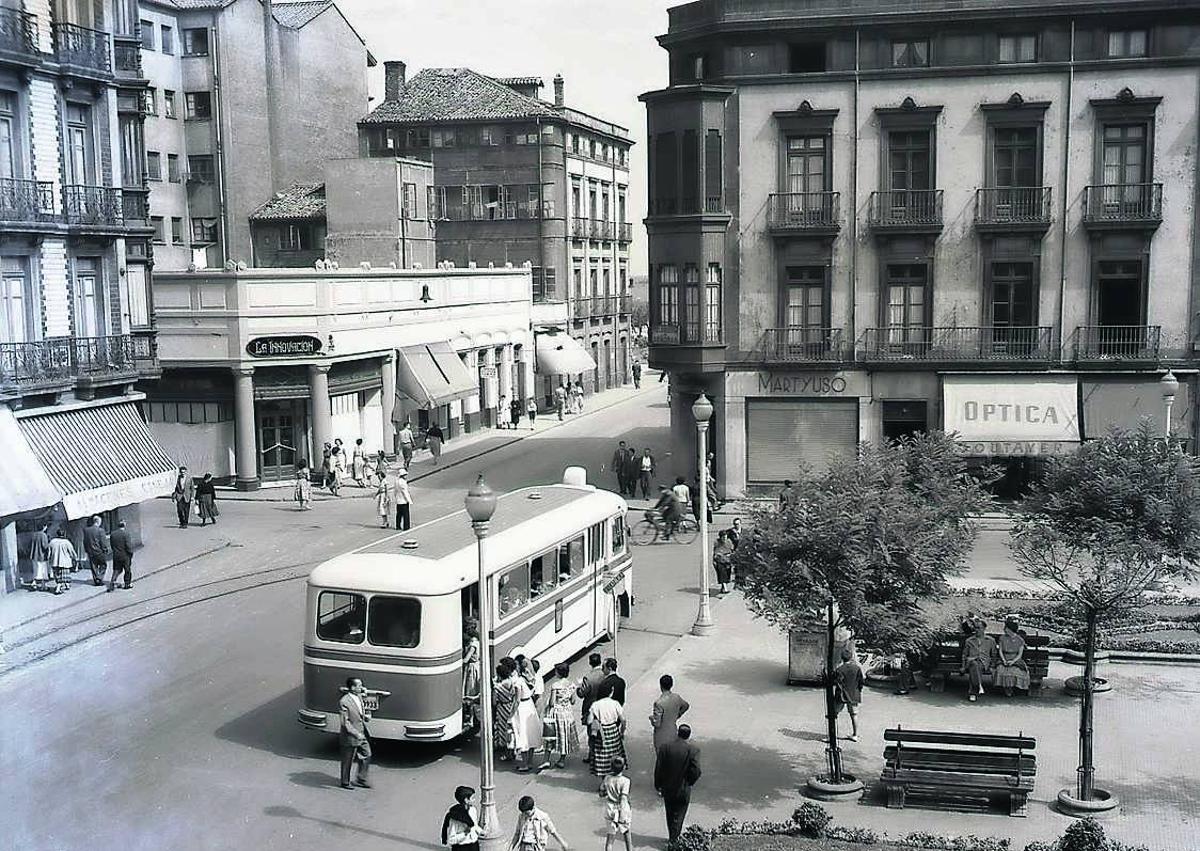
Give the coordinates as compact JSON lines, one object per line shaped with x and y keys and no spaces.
{"x":780,"y":433}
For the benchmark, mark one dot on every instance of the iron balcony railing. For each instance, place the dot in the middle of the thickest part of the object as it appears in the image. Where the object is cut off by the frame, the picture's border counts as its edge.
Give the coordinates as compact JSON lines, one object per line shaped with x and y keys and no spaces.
{"x":19,"y":33}
{"x":797,"y":344}
{"x":799,"y":211}
{"x":597,"y":229}
{"x":623,"y":304}
{"x":135,"y":206}
{"x":977,"y":343}
{"x":906,"y":208}
{"x":1122,"y":202}
{"x":127,"y":58}
{"x":1116,"y":342}
{"x":583,"y":308}
{"x":624,"y":232}
{"x":1003,"y":205}
{"x":579,"y":227}
{"x":713,"y":204}
{"x":98,"y":206}
{"x":664,"y":335}
{"x":60,"y":359}
{"x":82,"y":47}
{"x":26,"y":200}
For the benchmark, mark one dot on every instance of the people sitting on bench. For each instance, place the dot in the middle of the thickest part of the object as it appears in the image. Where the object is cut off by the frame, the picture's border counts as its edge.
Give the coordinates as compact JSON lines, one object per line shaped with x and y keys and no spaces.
{"x":977,"y":658}
{"x":1011,"y":670}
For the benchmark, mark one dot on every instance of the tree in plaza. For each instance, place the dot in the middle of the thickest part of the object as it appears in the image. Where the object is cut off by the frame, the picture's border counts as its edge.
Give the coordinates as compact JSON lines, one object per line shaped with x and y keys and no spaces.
{"x":868,"y":544}
{"x":1105,"y":525}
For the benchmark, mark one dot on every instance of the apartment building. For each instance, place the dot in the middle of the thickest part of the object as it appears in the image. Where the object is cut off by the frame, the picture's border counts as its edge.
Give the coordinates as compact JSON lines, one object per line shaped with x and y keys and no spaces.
{"x":977,"y":216}
{"x":76,"y":321}
{"x":524,"y":181}
{"x":245,"y":99}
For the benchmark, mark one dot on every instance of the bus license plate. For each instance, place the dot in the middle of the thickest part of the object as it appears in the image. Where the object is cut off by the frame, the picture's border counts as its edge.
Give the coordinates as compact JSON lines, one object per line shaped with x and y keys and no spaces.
{"x":371,"y":702}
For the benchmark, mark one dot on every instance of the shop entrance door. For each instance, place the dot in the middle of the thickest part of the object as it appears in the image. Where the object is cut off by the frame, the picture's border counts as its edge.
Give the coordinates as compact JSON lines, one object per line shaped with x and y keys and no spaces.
{"x":280,"y":433}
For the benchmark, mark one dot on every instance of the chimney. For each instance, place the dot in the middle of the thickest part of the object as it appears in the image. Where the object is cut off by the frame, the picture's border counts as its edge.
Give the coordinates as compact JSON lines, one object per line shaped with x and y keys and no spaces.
{"x":393,"y":79}
{"x":558,"y":89}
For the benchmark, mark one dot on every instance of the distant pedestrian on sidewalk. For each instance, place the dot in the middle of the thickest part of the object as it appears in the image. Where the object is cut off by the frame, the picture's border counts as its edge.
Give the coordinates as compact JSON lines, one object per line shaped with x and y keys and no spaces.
{"x":327,"y":463}
{"x":460,"y":827}
{"x":98,"y":549}
{"x":122,"y":556}
{"x":606,"y":722}
{"x":514,"y":412}
{"x":578,"y":392}
{"x":676,"y":771}
{"x":407,"y":443}
{"x":531,"y":410}
{"x":358,"y":464}
{"x":185,"y":492}
{"x":534,"y":828}
{"x":206,"y":496}
{"x":434,"y":440}
{"x":734,"y":532}
{"x":39,"y":554}
{"x":662,"y":376}
{"x":617,"y":814}
{"x":723,"y":560}
{"x":645,"y":471}
{"x":848,"y":684}
{"x":617,"y":465}
{"x":633,"y":471}
{"x":62,"y":561}
{"x":383,"y":501}
{"x":668,"y":709}
{"x":401,"y":498}
{"x":560,"y":400}
{"x":303,"y":491}
{"x":502,"y":420}
{"x":613,"y":681}
{"x":560,"y":717}
{"x":381,"y":466}
{"x":588,"y":690}
{"x":637,"y":374}
{"x":354,"y":738}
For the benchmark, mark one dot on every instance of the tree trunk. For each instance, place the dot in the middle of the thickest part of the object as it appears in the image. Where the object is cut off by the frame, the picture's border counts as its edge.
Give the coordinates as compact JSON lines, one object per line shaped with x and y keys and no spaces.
{"x":1087,"y":771}
{"x":833,"y":752}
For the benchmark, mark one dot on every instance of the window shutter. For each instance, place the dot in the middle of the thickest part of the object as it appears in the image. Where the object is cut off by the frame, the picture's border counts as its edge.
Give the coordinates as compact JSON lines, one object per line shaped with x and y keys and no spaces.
{"x":782,"y":433}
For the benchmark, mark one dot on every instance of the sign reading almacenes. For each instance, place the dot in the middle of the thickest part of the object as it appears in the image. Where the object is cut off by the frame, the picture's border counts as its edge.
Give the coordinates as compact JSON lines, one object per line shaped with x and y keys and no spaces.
{"x":294,"y":346}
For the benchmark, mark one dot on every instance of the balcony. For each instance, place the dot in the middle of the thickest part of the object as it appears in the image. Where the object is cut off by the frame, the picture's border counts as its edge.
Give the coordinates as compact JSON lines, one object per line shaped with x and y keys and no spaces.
{"x":1013,"y":209}
{"x":624,"y":232}
{"x":579,"y":228}
{"x":906,"y":211}
{"x":82,"y":51}
{"x":624,"y":304}
{"x":693,"y":346}
{"x":94,"y":207}
{"x":979,"y":344}
{"x":598,"y":229}
{"x":19,"y":37}
{"x":26,"y":202}
{"x":56,"y":364}
{"x":1127,"y":206}
{"x":1107,"y":343}
{"x":127,"y":59}
{"x":805,"y":345}
{"x":803,"y":212}
{"x":135,"y":207}
{"x":581,"y":308}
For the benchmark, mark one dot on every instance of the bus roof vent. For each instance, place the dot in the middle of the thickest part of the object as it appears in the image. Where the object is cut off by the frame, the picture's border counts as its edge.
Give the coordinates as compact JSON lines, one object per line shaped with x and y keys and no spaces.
{"x":576,"y":476}
{"x":409,"y":544}
{"x":536,"y":495}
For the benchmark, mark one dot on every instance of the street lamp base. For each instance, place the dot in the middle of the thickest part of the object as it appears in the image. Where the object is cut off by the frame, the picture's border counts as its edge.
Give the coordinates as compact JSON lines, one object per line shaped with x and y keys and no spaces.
{"x":702,"y":627}
{"x":497,"y":842}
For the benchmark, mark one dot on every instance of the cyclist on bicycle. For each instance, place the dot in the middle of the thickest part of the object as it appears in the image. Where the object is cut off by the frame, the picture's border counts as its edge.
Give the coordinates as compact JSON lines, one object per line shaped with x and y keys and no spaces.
{"x":668,"y":508}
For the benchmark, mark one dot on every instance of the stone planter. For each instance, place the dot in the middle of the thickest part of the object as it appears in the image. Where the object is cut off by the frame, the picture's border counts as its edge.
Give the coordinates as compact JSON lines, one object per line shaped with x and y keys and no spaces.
{"x":1102,"y":802}
{"x":819,"y":789}
{"x":1074,"y":685}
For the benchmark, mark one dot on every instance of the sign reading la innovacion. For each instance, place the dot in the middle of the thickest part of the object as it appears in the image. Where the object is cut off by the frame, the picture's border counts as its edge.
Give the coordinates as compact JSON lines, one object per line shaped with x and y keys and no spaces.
{"x":289,"y":346}
{"x":1012,"y":409}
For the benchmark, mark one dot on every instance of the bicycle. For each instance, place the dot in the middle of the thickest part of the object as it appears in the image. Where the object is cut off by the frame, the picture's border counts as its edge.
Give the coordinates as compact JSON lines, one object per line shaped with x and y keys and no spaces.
{"x":652,"y":528}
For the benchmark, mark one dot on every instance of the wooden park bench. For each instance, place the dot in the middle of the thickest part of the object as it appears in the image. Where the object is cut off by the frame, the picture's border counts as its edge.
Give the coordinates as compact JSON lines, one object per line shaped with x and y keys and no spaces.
{"x":945,"y":661}
{"x":959,"y":765}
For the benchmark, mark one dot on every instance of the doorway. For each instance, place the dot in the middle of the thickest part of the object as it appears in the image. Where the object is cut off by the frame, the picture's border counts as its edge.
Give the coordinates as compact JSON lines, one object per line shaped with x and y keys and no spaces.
{"x":281,"y":429}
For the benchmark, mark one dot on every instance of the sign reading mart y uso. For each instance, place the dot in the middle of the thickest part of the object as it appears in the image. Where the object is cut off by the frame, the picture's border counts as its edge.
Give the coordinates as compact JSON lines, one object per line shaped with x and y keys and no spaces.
{"x":1012,"y":414}
{"x":829,"y":384}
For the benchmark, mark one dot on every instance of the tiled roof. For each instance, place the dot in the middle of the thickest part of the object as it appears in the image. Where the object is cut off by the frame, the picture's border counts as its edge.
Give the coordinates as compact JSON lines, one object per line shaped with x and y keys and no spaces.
{"x":298,"y":202}
{"x":296,"y":15}
{"x":455,"y":94}
{"x":520,"y":81}
{"x":200,"y":4}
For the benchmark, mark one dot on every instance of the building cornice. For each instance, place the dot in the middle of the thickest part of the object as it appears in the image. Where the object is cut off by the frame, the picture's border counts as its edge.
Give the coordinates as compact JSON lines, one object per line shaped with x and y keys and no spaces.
{"x":690,"y":91}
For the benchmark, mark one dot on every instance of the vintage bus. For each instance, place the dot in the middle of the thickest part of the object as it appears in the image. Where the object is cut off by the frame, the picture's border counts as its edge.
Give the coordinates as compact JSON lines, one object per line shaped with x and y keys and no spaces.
{"x":559,"y":576}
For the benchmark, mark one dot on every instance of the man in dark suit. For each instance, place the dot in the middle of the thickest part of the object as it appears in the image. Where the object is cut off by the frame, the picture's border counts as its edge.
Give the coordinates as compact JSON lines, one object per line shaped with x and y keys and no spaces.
{"x":613,"y":681}
{"x":122,"y":556}
{"x":676,"y":771}
{"x":354,"y":737}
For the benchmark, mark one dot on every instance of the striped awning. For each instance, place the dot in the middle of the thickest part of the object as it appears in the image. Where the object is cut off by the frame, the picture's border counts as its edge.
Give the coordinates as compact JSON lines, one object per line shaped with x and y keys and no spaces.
{"x":99,"y":457}
{"x":26,"y":487}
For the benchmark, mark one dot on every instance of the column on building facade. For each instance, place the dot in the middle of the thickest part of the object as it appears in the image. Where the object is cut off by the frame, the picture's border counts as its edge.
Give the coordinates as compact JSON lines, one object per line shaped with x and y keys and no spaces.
{"x":527,"y":364}
{"x":245,"y":444}
{"x":472,"y":404}
{"x":322,"y":415}
{"x":490,"y":399}
{"x":10,"y":579}
{"x":387,"y":369}
{"x":505,"y":368}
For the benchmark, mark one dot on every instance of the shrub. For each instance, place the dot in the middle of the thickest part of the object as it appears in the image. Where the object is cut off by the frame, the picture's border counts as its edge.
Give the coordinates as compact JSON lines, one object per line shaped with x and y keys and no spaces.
{"x":1085,"y":835}
{"x":924,"y":840}
{"x":861,"y":835}
{"x":811,"y":820}
{"x":1039,"y":845}
{"x":693,"y":838}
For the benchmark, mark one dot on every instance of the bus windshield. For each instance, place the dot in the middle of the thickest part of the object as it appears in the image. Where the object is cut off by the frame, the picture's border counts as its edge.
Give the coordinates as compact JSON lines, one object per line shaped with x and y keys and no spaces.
{"x":394,"y":622}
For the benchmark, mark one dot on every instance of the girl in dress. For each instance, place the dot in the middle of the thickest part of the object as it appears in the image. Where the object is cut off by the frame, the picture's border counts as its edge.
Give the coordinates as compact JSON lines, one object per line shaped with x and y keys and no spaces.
{"x":303,"y":492}
{"x":615,"y":792}
{"x":561,"y":716}
{"x":358,"y":466}
{"x":526,"y":724}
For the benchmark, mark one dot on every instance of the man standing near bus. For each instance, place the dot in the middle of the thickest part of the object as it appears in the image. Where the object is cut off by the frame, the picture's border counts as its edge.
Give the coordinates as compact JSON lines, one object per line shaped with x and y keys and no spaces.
{"x":353,"y":740}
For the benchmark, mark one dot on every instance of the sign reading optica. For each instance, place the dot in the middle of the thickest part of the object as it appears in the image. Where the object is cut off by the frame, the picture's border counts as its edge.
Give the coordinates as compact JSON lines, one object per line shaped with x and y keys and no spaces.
{"x":1012,"y":409}
{"x":292,"y":346}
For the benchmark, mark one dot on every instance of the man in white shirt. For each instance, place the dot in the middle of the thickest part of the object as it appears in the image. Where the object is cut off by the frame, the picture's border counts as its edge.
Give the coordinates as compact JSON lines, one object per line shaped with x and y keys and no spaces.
{"x":407,"y":443}
{"x":400,"y":497}
{"x":682,"y":493}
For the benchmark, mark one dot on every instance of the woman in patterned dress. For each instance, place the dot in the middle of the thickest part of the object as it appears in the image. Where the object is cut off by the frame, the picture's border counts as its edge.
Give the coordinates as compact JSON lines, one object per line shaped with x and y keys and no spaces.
{"x":504,"y":703}
{"x":561,"y":715}
{"x":606,"y":722}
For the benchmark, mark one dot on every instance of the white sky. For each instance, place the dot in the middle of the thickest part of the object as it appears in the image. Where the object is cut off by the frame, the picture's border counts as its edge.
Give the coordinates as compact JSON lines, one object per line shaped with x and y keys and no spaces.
{"x":605,"y":50}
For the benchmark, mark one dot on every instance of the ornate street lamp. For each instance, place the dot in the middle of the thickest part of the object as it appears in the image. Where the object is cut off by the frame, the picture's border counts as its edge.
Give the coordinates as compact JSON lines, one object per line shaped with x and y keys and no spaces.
{"x":481,"y":505}
{"x":1169,"y":385}
{"x":702,"y":410}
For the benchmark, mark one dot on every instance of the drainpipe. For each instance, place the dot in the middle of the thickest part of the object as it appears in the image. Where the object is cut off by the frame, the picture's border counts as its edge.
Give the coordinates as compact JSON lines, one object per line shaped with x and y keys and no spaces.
{"x":854,"y":199}
{"x":222,"y":189}
{"x":270,"y":52}
{"x":1066,"y":173}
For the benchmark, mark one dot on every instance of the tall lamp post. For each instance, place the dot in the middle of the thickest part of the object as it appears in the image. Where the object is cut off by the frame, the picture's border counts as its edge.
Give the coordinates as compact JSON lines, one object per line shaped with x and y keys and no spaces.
{"x":1169,"y":385}
{"x":702,"y":410}
{"x":481,"y":505}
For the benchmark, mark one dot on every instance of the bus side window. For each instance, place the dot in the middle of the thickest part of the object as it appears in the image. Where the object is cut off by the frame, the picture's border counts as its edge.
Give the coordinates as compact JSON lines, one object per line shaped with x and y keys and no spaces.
{"x":618,"y":534}
{"x":543,"y":577}
{"x":341,"y":617}
{"x":514,"y":589}
{"x":570,"y":559}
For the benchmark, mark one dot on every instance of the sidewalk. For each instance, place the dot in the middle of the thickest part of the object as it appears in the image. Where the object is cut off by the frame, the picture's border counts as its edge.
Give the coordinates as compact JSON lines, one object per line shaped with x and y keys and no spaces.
{"x":458,"y":451}
{"x":761,"y":739}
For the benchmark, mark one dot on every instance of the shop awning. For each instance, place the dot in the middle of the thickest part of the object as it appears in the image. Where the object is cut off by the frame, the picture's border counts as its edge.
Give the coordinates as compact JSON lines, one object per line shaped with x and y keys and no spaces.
{"x":433,"y":375}
{"x":562,"y":354}
{"x":99,"y":457}
{"x":26,"y":486}
{"x":1123,"y":404}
